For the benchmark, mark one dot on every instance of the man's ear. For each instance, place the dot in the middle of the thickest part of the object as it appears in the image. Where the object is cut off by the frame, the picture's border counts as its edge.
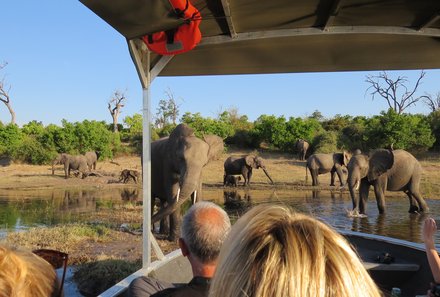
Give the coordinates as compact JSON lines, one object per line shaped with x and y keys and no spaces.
{"x":183,"y":247}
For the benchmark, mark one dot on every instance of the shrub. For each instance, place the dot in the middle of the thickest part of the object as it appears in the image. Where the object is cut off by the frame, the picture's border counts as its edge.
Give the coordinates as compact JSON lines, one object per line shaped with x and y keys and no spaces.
{"x":325,"y":142}
{"x":33,"y":152}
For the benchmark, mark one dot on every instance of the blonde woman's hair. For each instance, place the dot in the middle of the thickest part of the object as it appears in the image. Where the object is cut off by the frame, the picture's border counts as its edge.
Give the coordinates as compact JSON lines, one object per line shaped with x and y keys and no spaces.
{"x":24,"y":274}
{"x":273,"y":251}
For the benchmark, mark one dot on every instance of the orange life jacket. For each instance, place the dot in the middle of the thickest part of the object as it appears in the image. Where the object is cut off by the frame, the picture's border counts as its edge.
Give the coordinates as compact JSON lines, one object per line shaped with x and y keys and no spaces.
{"x":180,"y":39}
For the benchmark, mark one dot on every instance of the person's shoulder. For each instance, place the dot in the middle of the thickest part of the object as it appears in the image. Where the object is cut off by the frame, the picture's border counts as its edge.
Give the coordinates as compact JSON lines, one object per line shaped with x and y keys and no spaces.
{"x":183,"y":291}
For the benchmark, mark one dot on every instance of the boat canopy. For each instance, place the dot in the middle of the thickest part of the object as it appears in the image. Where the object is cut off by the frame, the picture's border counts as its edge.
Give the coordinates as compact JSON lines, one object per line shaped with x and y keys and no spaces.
{"x":283,"y":36}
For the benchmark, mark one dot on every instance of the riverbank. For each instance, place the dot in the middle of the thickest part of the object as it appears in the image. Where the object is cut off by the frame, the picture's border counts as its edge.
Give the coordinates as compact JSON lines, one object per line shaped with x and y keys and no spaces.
{"x":112,"y":239}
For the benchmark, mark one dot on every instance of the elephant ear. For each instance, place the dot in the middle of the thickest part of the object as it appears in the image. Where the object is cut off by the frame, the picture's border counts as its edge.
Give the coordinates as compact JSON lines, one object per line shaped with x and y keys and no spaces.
{"x":250,"y":161}
{"x":380,"y":161}
{"x":216,"y":146}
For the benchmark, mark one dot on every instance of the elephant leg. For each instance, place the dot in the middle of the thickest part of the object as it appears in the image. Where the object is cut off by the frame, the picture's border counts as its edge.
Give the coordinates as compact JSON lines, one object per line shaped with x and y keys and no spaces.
{"x":379,"y":191}
{"x":421,"y":202}
{"x":332,"y":177}
{"x":249,"y":177}
{"x":340,"y":175}
{"x":66,"y":171}
{"x":224,"y":179}
{"x":314,"y":175}
{"x":364,"y":190}
{"x":413,"y":204}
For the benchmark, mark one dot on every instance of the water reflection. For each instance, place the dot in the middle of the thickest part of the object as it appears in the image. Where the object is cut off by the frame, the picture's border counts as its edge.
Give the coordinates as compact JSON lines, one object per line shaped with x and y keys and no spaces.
{"x":236,"y":203}
{"x":20,"y":210}
{"x":332,"y":207}
{"x":24,"y":209}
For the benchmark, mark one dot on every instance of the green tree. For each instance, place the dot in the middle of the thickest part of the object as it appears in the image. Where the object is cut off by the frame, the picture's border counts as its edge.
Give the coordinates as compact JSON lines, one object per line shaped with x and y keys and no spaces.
{"x":10,"y":138}
{"x":325,"y":142}
{"x":404,"y":131}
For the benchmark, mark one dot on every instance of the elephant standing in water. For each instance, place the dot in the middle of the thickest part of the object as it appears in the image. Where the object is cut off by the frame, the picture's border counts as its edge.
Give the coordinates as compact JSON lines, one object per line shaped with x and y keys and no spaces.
{"x":176,"y":168}
{"x":301,"y":147}
{"x":243,"y":166}
{"x":325,"y":163}
{"x":385,"y":170}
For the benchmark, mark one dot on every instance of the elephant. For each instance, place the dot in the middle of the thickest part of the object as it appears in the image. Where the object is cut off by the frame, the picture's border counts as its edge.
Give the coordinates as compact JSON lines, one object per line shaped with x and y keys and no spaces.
{"x":57,"y":161}
{"x":243,"y":166}
{"x":176,"y":168}
{"x":71,"y":162}
{"x":92,"y":159}
{"x":301,"y":147}
{"x":385,"y":169}
{"x":325,"y":163}
{"x":231,"y":180}
{"x":128,"y":174}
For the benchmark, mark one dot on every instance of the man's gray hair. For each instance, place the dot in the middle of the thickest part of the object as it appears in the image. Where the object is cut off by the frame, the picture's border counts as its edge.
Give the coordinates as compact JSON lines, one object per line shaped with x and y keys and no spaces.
{"x":204,"y":228}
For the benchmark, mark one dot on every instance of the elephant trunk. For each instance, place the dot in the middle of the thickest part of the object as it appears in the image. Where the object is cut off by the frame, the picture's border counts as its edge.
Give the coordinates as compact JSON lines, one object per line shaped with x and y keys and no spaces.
{"x":268,"y":176}
{"x":53,"y":166}
{"x":183,"y":194}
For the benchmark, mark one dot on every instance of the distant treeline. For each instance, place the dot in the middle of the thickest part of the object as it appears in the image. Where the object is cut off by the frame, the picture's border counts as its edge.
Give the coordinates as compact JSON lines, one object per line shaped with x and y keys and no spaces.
{"x":35,"y":143}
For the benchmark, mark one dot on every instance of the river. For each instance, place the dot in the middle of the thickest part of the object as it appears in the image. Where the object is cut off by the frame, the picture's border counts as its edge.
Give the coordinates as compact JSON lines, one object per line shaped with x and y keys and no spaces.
{"x":20,"y":210}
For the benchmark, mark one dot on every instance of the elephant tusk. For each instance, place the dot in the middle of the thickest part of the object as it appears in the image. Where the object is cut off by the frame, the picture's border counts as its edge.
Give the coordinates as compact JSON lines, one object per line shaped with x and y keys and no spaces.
{"x":178,"y":194}
{"x":195,"y":197}
{"x":357,"y":185}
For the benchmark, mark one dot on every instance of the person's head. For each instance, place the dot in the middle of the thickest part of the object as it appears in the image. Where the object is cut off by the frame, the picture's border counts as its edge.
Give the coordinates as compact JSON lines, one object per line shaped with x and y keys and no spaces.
{"x":204,"y":228}
{"x":274,"y":251}
{"x":24,"y":274}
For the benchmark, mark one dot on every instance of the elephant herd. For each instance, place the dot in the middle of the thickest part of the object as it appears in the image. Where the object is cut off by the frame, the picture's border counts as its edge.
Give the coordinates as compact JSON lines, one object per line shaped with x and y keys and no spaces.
{"x":382,"y":169}
{"x":82,"y":163}
{"x":177,"y":162}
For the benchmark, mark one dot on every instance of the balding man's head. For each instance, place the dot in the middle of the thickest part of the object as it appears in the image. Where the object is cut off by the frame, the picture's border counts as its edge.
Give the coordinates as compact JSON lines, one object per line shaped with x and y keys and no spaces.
{"x":204,"y":228}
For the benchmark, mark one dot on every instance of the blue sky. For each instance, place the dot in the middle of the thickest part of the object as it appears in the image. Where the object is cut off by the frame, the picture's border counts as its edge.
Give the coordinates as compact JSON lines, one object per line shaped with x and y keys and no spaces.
{"x":65,"y":63}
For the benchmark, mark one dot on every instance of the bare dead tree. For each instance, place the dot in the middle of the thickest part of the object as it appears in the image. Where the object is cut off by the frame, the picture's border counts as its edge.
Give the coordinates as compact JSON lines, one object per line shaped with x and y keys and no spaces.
{"x":433,"y":103}
{"x":173,"y":107}
{"x":390,"y":90}
{"x":168,"y":110}
{"x":115,"y":104}
{"x":4,"y":94}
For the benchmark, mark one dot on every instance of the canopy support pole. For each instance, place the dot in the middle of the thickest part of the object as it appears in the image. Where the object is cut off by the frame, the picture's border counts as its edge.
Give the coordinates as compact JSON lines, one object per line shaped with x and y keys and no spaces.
{"x":142,"y":61}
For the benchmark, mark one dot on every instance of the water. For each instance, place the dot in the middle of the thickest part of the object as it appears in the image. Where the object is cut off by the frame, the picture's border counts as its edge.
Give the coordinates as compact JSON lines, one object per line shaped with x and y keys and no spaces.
{"x":20,"y":210}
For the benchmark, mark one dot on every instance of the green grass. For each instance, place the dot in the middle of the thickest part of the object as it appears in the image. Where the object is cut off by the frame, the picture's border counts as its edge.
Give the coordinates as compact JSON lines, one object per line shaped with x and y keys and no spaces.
{"x":62,"y":237}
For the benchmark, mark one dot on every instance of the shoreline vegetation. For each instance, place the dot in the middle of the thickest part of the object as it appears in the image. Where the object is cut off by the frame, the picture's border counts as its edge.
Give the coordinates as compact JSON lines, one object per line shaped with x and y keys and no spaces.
{"x":107,"y":246}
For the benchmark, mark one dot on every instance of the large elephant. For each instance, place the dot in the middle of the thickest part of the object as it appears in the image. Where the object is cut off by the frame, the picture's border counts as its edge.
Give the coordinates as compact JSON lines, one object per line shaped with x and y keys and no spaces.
{"x":176,"y":168}
{"x":301,"y":147}
{"x":71,"y":162}
{"x":244,"y":166}
{"x":385,"y":170}
{"x":324,"y":163}
{"x":92,"y":158}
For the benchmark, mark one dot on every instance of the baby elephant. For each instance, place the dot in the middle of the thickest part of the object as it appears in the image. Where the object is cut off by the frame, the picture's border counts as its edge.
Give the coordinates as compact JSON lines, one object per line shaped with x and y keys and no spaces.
{"x":128,"y":174}
{"x":231,"y":180}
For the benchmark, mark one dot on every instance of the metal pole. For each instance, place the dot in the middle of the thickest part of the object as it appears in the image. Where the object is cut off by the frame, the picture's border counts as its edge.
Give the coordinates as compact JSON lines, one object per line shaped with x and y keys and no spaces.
{"x":146,"y":172}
